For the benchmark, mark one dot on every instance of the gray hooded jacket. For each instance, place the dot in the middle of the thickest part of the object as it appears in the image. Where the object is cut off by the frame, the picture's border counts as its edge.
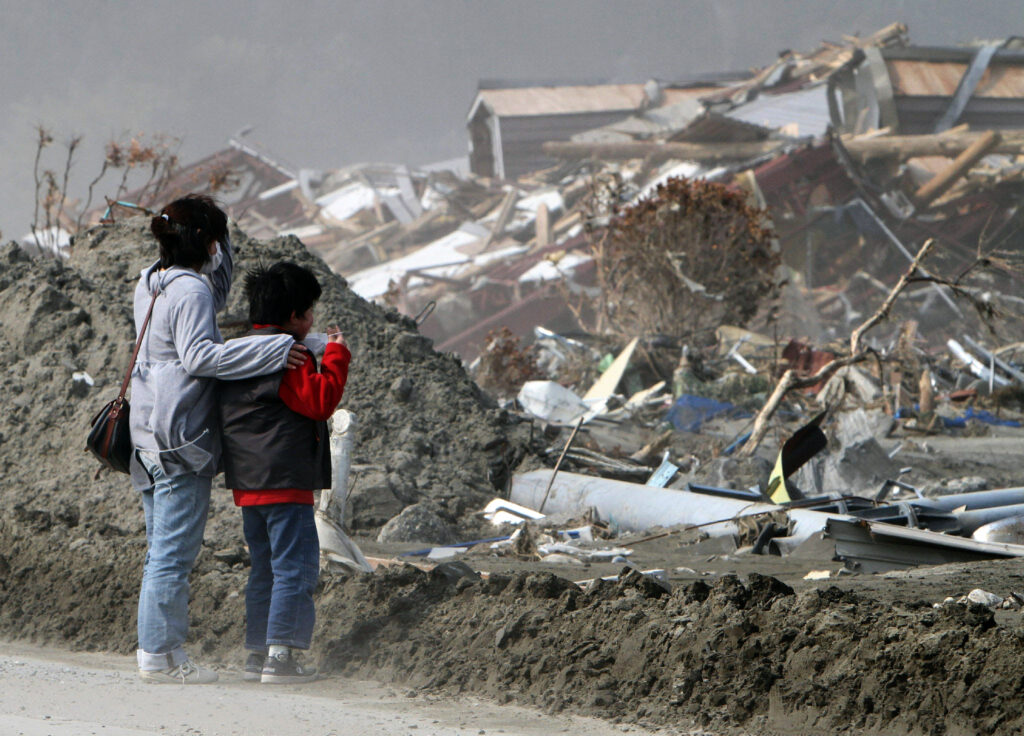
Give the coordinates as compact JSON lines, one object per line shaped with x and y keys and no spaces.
{"x":174,"y":416}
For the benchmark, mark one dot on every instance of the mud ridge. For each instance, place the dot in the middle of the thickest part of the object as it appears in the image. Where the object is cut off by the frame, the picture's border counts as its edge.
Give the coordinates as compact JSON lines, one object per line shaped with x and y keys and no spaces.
{"x":736,"y":656}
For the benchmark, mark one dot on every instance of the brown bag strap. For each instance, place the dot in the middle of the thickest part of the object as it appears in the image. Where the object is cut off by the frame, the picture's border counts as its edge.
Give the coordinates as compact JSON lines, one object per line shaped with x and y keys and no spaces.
{"x":138,"y":344}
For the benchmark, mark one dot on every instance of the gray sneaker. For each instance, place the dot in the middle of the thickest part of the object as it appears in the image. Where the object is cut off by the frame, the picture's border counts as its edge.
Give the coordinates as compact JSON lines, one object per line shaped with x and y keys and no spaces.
{"x":283,"y":668}
{"x":186,"y":673}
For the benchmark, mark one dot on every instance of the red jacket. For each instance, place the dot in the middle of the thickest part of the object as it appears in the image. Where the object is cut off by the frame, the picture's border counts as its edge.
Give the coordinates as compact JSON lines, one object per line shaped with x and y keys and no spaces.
{"x":313,"y":395}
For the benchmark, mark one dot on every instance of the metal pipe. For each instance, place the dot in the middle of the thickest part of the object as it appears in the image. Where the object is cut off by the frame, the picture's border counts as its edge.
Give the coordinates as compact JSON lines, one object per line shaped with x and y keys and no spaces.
{"x":970,"y":521}
{"x":976,"y":500}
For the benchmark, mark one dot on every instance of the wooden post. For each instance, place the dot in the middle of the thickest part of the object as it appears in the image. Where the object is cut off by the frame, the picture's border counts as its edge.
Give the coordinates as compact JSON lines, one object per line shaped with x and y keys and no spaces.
{"x":543,"y":226}
{"x":558,"y":464}
{"x":507,"y":205}
{"x":926,"y":396}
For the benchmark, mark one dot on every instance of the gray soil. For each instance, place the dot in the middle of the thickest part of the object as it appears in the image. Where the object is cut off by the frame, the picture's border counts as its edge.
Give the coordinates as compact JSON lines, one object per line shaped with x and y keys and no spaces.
{"x":48,"y":692}
{"x":740,"y":645}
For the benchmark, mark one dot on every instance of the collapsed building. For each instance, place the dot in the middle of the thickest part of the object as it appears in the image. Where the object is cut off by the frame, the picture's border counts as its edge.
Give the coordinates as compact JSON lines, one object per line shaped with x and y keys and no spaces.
{"x":858,"y":151}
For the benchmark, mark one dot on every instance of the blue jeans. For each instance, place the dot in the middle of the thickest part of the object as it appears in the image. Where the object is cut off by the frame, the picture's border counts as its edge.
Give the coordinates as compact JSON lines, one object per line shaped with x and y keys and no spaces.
{"x":285,"y":557}
{"x":175,"y":509}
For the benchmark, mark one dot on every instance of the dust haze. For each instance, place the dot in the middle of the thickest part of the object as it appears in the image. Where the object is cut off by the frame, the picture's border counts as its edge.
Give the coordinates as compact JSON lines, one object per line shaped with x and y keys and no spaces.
{"x":328,"y":84}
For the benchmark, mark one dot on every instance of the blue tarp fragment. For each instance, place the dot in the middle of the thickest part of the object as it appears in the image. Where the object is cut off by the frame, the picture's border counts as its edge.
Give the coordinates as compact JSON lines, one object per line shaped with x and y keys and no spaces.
{"x":690,"y":412}
{"x":971,"y":413}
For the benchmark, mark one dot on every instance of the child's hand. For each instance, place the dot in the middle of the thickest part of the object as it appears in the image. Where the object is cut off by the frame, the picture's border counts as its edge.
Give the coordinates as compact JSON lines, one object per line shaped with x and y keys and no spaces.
{"x":297,"y":355}
{"x":335,"y":335}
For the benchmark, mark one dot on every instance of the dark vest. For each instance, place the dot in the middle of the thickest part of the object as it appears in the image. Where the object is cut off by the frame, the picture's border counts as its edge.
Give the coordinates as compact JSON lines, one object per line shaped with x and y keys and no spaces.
{"x":266,"y":444}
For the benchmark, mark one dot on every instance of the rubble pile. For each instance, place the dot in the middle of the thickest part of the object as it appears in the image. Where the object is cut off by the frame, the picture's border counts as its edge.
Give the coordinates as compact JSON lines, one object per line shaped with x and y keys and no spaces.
{"x":857,"y":151}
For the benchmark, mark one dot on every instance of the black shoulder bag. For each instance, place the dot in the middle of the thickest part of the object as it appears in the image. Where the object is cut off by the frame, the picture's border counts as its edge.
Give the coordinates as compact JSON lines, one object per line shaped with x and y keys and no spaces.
{"x":110,"y":438}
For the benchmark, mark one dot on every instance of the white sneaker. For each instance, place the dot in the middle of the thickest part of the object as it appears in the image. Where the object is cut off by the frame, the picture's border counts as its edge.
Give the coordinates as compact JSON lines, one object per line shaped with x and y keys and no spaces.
{"x":186,"y":673}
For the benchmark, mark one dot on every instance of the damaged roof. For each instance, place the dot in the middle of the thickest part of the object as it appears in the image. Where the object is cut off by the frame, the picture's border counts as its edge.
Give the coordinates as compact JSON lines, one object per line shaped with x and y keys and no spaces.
{"x":560,"y":100}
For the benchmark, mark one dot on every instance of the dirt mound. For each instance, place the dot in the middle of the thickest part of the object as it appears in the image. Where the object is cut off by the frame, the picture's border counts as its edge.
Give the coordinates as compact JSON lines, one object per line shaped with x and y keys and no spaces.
{"x":730,"y":657}
{"x":435,"y":439}
{"x":72,"y":545}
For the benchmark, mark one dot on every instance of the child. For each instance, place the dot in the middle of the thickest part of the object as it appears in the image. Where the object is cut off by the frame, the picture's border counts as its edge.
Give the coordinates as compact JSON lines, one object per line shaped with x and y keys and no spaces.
{"x":276,"y":453}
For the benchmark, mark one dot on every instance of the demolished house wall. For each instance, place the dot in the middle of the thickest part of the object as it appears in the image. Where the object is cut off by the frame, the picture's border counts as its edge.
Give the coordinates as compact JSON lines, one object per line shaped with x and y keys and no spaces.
{"x":522,"y":138}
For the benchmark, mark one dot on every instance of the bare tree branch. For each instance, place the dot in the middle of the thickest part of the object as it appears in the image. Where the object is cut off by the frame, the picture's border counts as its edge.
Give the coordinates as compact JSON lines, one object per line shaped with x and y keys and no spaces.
{"x":790,"y":381}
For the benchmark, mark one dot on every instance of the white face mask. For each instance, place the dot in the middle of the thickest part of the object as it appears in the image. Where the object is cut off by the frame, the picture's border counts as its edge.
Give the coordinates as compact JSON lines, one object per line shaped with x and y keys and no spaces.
{"x":214,"y":263}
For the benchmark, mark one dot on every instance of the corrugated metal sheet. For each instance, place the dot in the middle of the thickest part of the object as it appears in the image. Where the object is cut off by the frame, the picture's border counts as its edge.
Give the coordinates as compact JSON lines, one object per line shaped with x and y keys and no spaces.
{"x":562,"y":100}
{"x":940,"y":78}
{"x":807,"y":109}
{"x":663,"y":120}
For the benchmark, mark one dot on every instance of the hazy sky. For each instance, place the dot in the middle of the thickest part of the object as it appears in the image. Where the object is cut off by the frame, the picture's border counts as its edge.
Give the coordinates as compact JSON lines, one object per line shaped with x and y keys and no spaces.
{"x":327,"y":84}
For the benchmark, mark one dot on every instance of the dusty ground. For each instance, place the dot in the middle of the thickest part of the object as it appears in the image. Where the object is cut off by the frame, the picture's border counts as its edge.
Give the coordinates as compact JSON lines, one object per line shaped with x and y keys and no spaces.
{"x":728,"y":649}
{"x":47,"y":692}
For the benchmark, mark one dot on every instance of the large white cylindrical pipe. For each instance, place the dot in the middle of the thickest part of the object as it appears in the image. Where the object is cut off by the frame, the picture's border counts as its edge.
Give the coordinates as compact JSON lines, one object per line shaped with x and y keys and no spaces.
{"x":335,"y":546}
{"x":633,"y":507}
{"x":343,"y":431}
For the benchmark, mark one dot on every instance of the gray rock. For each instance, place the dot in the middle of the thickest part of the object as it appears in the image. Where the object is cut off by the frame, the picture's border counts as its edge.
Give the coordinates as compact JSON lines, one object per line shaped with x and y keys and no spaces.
{"x":411,"y":346}
{"x":404,"y":488}
{"x":730,"y":472}
{"x":455,"y":570}
{"x":858,"y":425}
{"x":859,"y":468}
{"x":984,"y":598}
{"x":371,"y":502}
{"x":417,"y":523}
{"x":401,"y":389}
{"x":404,"y":463}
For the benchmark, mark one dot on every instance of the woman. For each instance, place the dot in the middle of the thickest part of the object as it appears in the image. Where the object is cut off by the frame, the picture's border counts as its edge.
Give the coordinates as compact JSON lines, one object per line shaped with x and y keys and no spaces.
{"x":174,"y":417}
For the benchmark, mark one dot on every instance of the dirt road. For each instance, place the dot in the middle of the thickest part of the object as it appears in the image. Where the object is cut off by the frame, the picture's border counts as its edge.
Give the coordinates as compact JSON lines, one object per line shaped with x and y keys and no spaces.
{"x":48,"y":692}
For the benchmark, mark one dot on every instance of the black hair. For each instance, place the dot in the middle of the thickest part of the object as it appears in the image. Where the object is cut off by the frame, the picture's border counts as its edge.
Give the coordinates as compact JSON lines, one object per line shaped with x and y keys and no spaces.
{"x":184,"y":229}
{"x":275,"y":293}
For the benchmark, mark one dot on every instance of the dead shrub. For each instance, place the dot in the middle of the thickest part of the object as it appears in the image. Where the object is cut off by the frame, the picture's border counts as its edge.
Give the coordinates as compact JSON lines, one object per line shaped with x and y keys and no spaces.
{"x":692,"y":256}
{"x":505,"y":365}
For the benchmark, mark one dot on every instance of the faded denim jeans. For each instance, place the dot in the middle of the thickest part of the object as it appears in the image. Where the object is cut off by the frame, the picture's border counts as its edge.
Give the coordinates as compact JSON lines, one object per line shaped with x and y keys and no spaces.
{"x":176,"y":510}
{"x":285,"y":557}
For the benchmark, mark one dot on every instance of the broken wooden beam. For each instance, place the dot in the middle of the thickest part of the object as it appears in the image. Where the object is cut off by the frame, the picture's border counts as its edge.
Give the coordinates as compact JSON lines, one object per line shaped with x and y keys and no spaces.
{"x":543,"y":226}
{"x":709,"y":152}
{"x":903,"y":147}
{"x":504,"y":215}
{"x":900,"y":147}
{"x":942,"y":181}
